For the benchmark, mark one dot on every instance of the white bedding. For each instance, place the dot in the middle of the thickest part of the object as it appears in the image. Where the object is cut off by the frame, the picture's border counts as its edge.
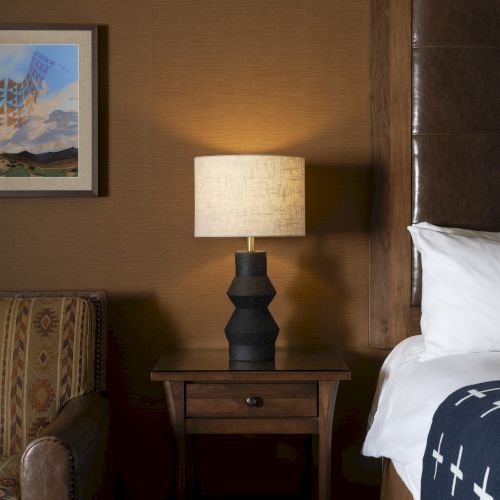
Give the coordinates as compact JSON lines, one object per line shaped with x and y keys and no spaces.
{"x":409,"y":392}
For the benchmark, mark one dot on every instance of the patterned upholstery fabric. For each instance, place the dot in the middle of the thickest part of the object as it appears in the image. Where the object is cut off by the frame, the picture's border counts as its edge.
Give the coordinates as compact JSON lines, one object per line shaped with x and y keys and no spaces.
{"x":9,"y":477}
{"x":47,"y":347}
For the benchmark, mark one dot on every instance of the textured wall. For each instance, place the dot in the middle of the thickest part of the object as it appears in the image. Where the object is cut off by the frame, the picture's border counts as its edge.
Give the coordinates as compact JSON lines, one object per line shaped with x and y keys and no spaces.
{"x":181,"y":78}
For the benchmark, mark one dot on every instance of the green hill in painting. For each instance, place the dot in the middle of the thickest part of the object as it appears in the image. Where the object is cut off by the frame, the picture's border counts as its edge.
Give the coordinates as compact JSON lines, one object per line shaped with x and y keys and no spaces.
{"x":51,"y":164}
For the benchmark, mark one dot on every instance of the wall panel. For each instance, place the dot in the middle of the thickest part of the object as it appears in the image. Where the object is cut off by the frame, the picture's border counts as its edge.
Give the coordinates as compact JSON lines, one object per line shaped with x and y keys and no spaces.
{"x":181,"y":78}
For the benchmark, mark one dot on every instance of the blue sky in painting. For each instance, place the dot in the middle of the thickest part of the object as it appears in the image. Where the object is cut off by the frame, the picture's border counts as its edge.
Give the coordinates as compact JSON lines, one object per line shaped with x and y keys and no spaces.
{"x":53,"y":123}
{"x":15,"y":61}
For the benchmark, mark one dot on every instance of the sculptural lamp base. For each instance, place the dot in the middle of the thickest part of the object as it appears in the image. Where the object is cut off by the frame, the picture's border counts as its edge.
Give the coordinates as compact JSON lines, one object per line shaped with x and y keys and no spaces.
{"x":251,"y":330}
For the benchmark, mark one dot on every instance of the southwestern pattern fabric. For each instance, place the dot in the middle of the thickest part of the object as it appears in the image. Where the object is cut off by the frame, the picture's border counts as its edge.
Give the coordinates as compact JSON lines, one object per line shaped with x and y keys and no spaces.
{"x":9,"y":477}
{"x":47,"y":347}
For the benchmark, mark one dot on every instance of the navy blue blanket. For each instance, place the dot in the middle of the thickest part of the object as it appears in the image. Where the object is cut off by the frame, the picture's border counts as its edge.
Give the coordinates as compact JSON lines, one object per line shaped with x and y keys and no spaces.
{"x":462,"y":456}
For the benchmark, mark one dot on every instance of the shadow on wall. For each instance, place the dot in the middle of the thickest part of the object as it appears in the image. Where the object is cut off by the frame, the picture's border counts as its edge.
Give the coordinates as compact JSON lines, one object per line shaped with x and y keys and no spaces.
{"x":140,"y":441}
{"x":336,"y":202}
{"x":337,"y":198}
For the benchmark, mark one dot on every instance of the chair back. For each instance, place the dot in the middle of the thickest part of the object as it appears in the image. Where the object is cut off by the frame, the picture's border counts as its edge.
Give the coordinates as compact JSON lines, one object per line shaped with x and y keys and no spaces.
{"x":52,"y":349}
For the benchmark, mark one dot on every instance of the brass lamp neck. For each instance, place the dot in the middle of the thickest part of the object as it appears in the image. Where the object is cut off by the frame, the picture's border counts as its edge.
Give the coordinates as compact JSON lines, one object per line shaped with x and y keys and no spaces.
{"x":250,"y":244}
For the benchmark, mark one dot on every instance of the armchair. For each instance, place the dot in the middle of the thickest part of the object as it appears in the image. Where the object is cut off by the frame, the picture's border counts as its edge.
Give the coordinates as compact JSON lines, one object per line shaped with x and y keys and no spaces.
{"x":54,"y":420}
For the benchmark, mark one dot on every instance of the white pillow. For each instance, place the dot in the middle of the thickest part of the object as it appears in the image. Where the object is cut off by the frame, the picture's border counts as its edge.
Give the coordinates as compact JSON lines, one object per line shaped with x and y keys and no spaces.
{"x":460,"y":289}
{"x":470,"y":233}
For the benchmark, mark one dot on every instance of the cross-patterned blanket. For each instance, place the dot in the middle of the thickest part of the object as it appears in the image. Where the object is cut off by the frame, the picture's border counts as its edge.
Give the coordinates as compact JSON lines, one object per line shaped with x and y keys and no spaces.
{"x":462,"y":456}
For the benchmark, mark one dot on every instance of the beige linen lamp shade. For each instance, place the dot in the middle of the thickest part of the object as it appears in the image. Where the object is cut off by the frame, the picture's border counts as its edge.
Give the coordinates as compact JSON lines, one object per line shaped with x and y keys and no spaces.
{"x":249,"y":195}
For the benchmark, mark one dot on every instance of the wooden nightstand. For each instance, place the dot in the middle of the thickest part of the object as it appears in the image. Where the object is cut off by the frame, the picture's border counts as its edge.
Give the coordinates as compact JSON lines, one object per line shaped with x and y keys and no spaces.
{"x":206,"y":394}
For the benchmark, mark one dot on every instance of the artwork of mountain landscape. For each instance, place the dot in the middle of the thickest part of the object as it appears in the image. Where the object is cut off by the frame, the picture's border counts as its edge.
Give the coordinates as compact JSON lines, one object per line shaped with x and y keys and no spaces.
{"x":38,"y":110}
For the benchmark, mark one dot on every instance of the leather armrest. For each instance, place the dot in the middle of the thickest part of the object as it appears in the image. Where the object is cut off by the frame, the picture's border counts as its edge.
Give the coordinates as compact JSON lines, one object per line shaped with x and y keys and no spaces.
{"x":67,"y":460}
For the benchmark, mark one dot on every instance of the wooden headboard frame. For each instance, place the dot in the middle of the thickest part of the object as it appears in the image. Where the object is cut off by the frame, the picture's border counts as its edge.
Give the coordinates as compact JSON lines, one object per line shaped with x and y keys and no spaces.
{"x":449,"y":149}
{"x":391,"y":316}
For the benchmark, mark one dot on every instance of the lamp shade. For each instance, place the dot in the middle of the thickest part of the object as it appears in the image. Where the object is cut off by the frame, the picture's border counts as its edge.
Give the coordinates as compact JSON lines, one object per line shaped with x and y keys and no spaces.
{"x":249,"y":195}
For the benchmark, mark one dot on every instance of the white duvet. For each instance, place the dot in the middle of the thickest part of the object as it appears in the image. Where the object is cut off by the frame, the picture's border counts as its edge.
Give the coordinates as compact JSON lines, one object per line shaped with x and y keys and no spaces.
{"x":409,"y":392}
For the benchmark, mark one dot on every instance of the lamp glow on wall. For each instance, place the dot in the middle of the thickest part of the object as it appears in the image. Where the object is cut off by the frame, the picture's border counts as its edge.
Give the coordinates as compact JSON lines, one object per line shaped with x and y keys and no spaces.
{"x":250,"y":196}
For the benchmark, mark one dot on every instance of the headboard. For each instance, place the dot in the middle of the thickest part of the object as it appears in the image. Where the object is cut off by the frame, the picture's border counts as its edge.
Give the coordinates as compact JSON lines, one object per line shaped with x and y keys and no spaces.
{"x":434,"y":142}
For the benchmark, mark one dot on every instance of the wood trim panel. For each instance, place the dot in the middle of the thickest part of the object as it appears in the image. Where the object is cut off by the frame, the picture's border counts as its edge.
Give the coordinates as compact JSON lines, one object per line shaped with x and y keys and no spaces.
{"x":393,"y":487}
{"x":253,"y":426}
{"x":174,"y":393}
{"x":391,"y":317}
{"x":249,"y":376}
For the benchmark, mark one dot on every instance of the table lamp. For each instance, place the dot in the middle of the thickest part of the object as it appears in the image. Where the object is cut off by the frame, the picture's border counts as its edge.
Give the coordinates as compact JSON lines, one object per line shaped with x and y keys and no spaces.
{"x":250,"y":196}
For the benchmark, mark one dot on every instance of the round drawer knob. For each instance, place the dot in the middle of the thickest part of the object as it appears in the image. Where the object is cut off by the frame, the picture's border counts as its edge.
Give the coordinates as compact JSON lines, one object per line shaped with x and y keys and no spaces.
{"x":252,"y":401}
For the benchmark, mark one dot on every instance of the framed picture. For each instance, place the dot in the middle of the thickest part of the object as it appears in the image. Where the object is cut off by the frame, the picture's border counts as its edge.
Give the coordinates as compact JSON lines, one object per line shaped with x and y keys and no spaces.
{"x":48,"y":110}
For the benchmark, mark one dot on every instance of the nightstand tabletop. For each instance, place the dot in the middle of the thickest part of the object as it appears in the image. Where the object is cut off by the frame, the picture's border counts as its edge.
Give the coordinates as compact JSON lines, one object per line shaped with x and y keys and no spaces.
{"x":214,"y":364}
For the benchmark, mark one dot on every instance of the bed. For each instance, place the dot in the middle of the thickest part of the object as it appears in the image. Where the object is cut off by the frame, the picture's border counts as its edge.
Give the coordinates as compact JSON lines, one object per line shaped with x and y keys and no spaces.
{"x":435,"y":154}
{"x":400,"y":424}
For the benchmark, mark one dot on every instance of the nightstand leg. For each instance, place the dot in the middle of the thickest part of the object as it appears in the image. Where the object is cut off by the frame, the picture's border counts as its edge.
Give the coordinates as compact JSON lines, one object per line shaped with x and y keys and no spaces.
{"x":327,"y":396}
{"x":174,"y":392}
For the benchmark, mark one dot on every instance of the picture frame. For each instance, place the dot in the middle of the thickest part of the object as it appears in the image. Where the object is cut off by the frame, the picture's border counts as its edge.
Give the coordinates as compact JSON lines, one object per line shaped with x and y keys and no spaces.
{"x":48,"y":110}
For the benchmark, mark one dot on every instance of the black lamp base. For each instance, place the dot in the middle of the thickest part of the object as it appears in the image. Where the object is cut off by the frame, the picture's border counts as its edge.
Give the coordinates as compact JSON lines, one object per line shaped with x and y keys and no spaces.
{"x":264,"y":352}
{"x":251,"y":330}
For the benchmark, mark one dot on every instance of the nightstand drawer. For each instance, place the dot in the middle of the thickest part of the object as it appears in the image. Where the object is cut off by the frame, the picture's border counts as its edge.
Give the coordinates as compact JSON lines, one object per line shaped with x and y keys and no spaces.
{"x":252,"y":400}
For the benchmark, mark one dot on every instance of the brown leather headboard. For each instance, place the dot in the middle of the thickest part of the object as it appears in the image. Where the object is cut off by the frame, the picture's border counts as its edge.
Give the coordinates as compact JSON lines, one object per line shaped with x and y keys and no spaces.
{"x":435,"y":140}
{"x":455,"y":116}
